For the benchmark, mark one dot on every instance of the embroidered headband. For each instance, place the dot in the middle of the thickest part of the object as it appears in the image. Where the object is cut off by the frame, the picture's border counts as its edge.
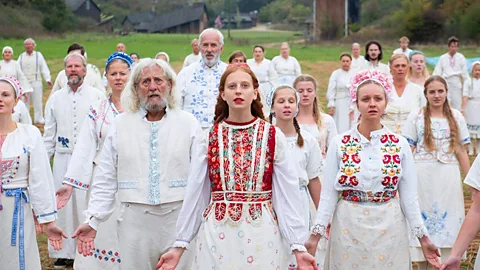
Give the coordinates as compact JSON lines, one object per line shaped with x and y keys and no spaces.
{"x":269,"y":98}
{"x":370,"y":75}
{"x":165,"y":54}
{"x":7,"y":48}
{"x":14,"y":83}
{"x":119,"y":55}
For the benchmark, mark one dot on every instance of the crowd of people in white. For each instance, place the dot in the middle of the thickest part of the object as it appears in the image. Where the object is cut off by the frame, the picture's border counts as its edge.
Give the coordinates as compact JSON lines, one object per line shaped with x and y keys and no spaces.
{"x":235,"y":165}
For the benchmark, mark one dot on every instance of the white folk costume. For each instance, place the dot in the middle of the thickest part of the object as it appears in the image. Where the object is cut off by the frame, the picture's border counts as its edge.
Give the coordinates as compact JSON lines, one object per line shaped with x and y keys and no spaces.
{"x":473,"y":180}
{"x":325,"y":134}
{"x":27,"y":184}
{"x":358,"y":63}
{"x":369,"y":228}
{"x":309,"y":165}
{"x":287,"y":69}
{"x":198,"y":88}
{"x":64,"y":114}
{"x":80,"y":172}
{"x":12,"y":68}
{"x":92,"y":78}
{"x":34,"y":67}
{"x":267,"y":79}
{"x":438,"y":173}
{"x":454,"y":70}
{"x":243,"y":179}
{"x":471,"y":90}
{"x":21,"y":113}
{"x":406,"y":52}
{"x":338,"y":96}
{"x":399,"y":107}
{"x":379,"y":66}
{"x":191,"y":59}
{"x":149,"y":170}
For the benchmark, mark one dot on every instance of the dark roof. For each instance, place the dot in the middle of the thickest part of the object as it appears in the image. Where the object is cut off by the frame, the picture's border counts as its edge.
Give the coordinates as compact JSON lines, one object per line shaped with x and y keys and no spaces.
{"x":140,"y":17}
{"x":309,"y":20}
{"x":178,"y":17}
{"x":75,"y":4}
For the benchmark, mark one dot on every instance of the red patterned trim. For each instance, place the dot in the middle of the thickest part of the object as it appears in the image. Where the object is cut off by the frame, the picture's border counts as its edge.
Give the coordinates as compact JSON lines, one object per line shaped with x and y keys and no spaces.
{"x":241,"y":124}
{"x":369,"y":196}
{"x":241,"y":197}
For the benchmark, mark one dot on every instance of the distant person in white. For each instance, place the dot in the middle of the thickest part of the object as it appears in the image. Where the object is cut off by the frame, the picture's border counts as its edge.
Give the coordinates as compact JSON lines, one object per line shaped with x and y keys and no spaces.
{"x":10,"y":67}
{"x":34,"y":67}
{"x":286,"y":66}
{"x":358,"y":61}
{"x":418,"y":68}
{"x":163,"y":56}
{"x":195,"y":56}
{"x":452,"y":66}
{"x":373,"y":55}
{"x":121,"y":47}
{"x":266,"y":74}
{"x":404,"y":41}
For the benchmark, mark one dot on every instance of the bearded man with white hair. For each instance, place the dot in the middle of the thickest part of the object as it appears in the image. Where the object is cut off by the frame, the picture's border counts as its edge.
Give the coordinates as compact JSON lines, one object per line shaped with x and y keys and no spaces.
{"x":64,"y":115}
{"x":198,"y":83}
{"x":144,"y":162}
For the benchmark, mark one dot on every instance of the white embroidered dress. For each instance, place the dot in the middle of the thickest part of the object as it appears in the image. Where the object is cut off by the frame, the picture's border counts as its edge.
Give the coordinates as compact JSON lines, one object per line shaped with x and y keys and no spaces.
{"x":338,"y":96}
{"x":241,"y":180}
{"x":471,"y":90}
{"x":369,"y":228}
{"x":80,"y":173}
{"x":27,"y":184}
{"x":324,"y":136}
{"x":399,"y":107}
{"x":12,"y":68}
{"x":267,"y":78}
{"x":64,"y":115}
{"x":439,"y":179}
{"x":287,"y":69}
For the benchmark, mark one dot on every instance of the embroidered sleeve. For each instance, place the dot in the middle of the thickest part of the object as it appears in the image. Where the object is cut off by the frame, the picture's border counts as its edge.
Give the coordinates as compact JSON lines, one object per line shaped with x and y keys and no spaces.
{"x":419,"y":231}
{"x":318,"y":229}
{"x":464,"y":137}
{"x":180,"y":243}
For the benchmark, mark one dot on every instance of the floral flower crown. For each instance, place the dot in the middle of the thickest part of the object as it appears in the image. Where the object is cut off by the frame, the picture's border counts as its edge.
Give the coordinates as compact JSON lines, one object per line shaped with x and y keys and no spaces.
{"x":370,"y":75}
{"x":14,"y":83}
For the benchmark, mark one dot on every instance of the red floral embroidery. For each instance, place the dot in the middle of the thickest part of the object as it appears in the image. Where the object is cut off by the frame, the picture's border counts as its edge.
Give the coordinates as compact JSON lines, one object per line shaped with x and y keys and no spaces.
{"x":350,"y":159}
{"x":356,"y":158}
{"x":345,"y":139}
{"x":384,"y":138}
{"x":393,"y":138}
{"x":386,"y":159}
{"x":344,"y":158}
{"x":391,"y":161}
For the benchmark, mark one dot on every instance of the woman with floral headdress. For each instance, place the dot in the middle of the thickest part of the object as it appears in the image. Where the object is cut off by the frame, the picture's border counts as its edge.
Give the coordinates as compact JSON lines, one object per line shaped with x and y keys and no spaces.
{"x":241,"y":181}
{"x":367,"y":166}
{"x":26,"y":185}
{"x":283,"y":101}
{"x":471,"y":107}
{"x":81,"y":167}
{"x":438,"y":136}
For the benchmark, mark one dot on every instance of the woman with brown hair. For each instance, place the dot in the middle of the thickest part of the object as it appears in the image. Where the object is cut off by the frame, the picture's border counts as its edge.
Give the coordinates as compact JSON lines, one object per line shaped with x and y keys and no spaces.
{"x":241,"y":180}
{"x":438,"y":135}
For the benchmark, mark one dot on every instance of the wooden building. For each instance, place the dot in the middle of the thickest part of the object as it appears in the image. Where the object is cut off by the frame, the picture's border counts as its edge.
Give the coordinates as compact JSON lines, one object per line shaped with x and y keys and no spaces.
{"x":84,"y":8}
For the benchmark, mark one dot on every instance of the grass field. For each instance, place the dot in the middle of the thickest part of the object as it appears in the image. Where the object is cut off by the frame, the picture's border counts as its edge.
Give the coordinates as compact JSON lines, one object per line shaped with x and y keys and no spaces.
{"x":319,"y":60}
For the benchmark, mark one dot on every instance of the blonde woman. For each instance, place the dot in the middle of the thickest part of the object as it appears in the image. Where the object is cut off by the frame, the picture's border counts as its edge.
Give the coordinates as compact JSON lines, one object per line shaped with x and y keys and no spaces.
{"x":418,"y":68}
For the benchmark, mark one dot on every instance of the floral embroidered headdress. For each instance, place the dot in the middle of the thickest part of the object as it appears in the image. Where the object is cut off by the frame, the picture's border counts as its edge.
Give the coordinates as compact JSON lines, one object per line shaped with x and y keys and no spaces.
{"x":364,"y":76}
{"x":14,"y":83}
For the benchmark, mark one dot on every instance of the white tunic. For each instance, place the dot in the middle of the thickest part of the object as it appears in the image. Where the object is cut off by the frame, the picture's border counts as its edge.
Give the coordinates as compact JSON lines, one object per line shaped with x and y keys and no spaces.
{"x":400,"y":50}
{"x":34,"y":66}
{"x":379,"y":66}
{"x":398,"y":108}
{"x":12,"y":68}
{"x":267,"y":78}
{"x":453,"y":69}
{"x":198,"y":88}
{"x":324,"y":136}
{"x":287,"y":69}
{"x":338,"y":96}
{"x":26,"y":173}
{"x":92,"y":78}
{"x":471,"y":89}
{"x":21,"y":114}
{"x":358,"y":63}
{"x":191,"y":58}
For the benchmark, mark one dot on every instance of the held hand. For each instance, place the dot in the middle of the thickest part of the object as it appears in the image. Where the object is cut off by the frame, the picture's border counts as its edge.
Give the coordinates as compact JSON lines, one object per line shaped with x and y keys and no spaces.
{"x":305,"y":261}
{"x":169,"y":260}
{"x":86,"y":236}
{"x":55,"y":235}
{"x":452,"y":263}
{"x":25,"y":97}
{"x":327,"y":231}
{"x":38,"y":226}
{"x":331,"y":111}
{"x":50,"y":84}
{"x":430,"y":251}
{"x":312,"y":243}
{"x":63,"y":195}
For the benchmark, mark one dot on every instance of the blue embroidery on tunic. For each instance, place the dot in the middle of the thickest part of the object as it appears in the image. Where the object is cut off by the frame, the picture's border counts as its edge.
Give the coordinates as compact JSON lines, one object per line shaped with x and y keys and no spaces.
{"x":128,"y":185}
{"x":64,"y":141}
{"x":154,"y":167}
{"x":410,"y":141}
{"x":177,"y":183}
{"x":47,"y":214}
{"x":435,"y":220}
{"x":18,"y":211}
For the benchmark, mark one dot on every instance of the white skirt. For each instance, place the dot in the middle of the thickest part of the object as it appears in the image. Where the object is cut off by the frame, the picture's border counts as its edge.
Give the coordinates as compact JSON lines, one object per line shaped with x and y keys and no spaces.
{"x":472,"y":117}
{"x":368,"y":236}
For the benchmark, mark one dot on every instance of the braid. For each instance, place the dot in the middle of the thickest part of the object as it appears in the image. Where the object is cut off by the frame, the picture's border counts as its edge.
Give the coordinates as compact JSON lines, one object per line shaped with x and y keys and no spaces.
{"x":428,"y":129}
{"x":297,"y":129}
{"x":317,"y":114}
{"x":452,"y":124}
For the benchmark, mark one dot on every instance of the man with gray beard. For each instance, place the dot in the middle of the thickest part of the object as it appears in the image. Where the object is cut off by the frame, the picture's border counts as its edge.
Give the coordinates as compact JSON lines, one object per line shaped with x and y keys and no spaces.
{"x":144,"y":164}
{"x":198,"y":83}
{"x":64,"y":115}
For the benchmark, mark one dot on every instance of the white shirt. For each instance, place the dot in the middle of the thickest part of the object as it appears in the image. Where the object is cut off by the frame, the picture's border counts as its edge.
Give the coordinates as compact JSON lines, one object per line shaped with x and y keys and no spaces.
{"x":12,"y":68}
{"x":355,"y":163}
{"x":25,"y":165}
{"x":286,"y":67}
{"x":34,"y":66}
{"x":327,"y":131}
{"x":358,"y":63}
{"x":406,"y":52}
{"x":264,"y":71}
{"x":21,"y":113}
{"x":198,"y":88}
{"x":92,"y":78}
{"x":191,"y":58}
{"x":471,"y":89}
{"x":162,"y":154}
{"x":473,"y":177}
{"x":309,"y":161}
{"x":338,"y":86}
{"x":92,"y":135}
{"x":379,"y":66}
{"x":64,"y":115}
{"x":453,"y":69}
